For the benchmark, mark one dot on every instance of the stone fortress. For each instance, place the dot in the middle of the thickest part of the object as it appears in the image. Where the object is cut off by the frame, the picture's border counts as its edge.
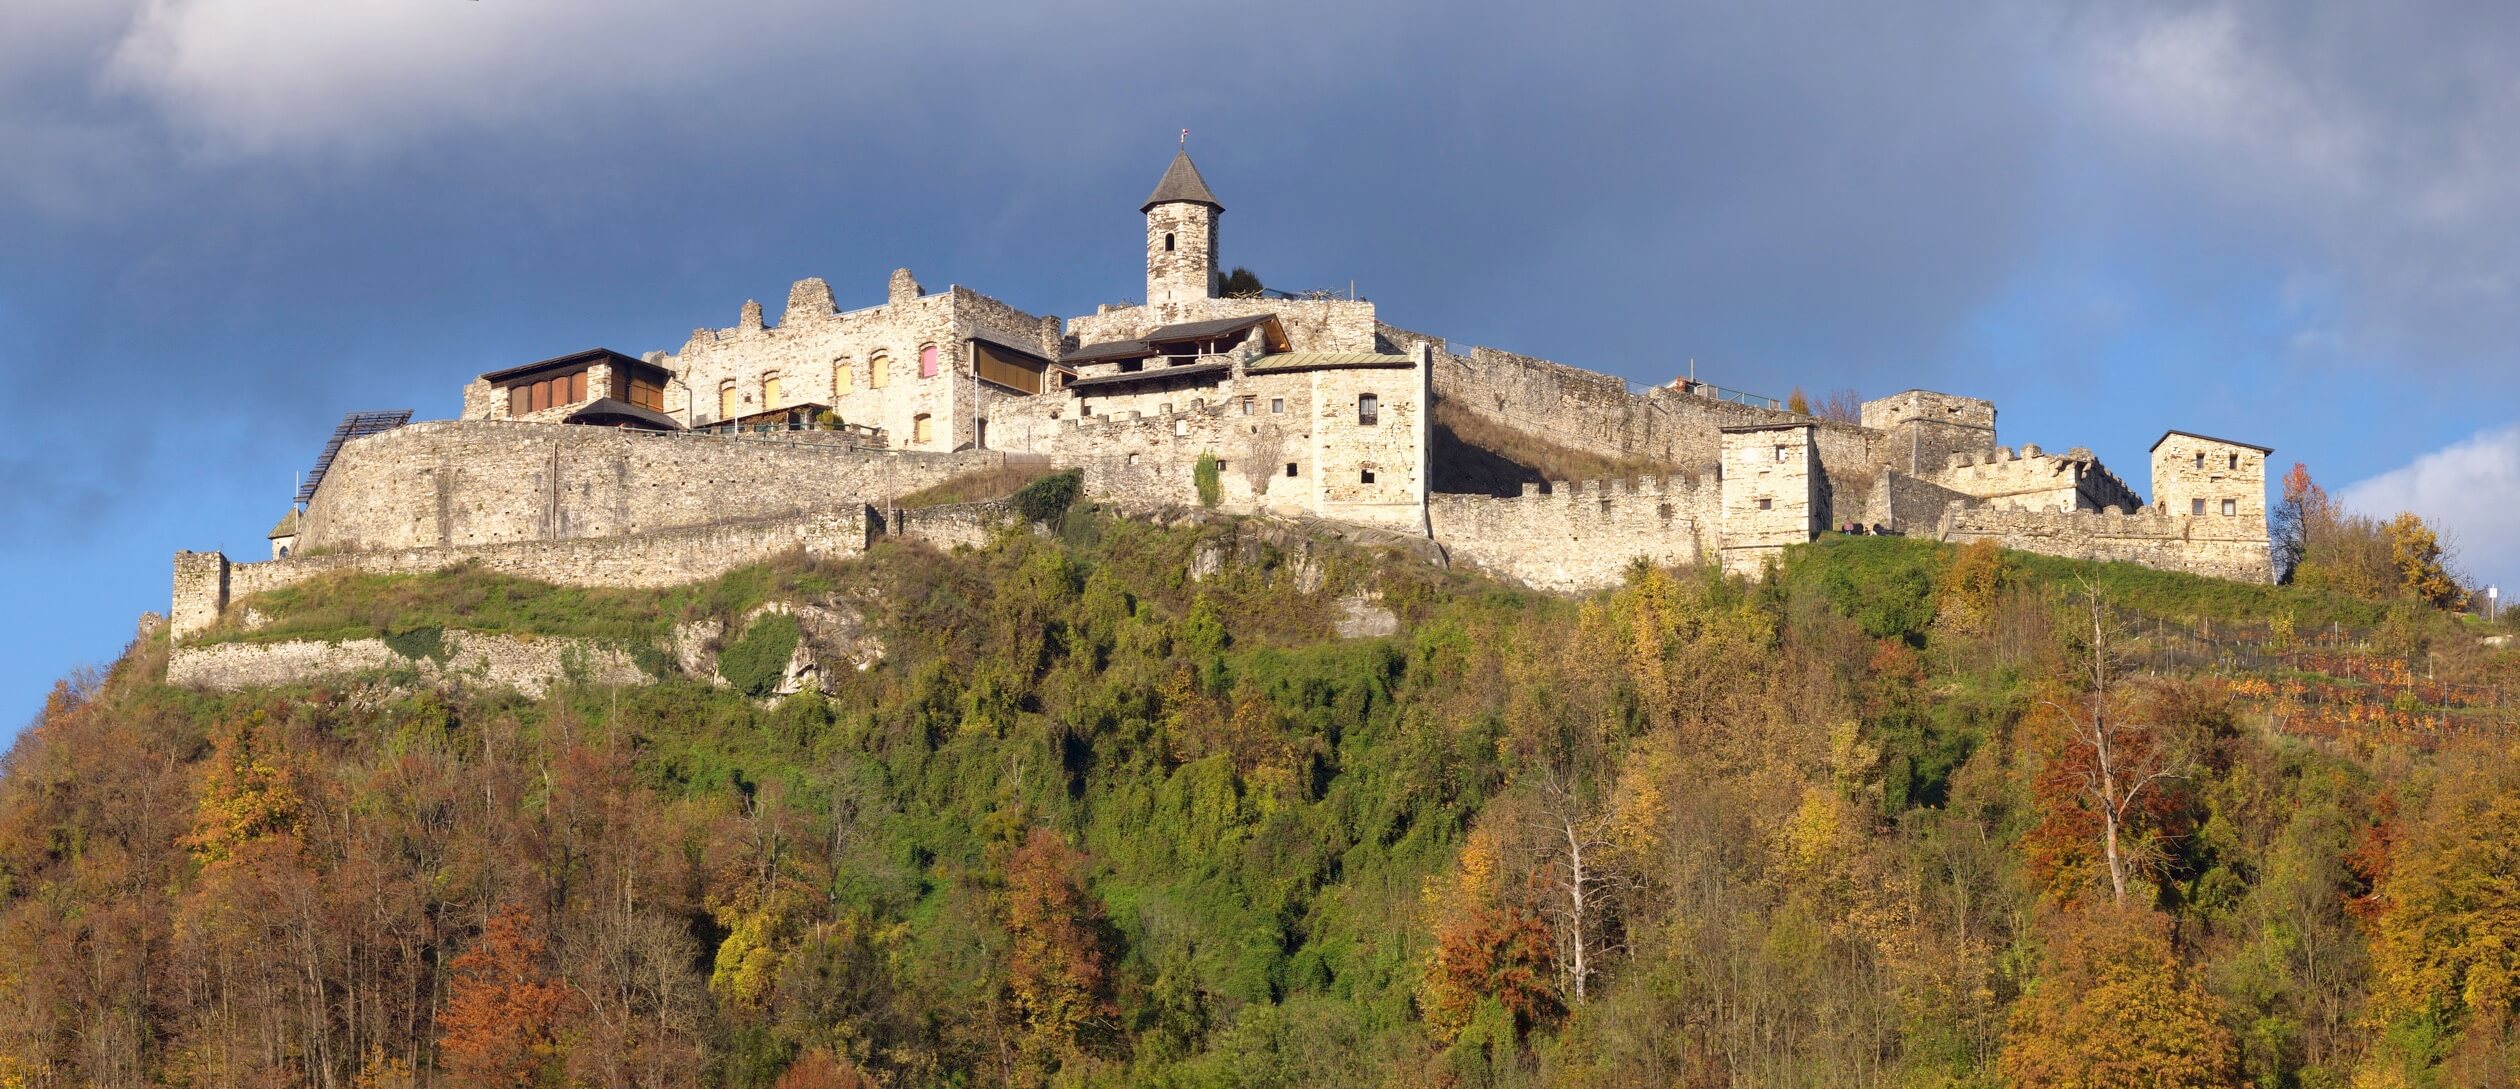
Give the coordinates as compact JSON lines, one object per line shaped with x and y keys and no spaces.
{"x":598,"y":468}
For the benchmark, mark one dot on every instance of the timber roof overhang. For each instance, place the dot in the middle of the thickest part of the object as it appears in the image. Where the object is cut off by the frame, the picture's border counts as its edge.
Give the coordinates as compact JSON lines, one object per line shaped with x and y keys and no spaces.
{"x":1192,"y":370}
{"x":2165,"y":437}
{"x":569,"y":361}
{"x":1326,"y":361}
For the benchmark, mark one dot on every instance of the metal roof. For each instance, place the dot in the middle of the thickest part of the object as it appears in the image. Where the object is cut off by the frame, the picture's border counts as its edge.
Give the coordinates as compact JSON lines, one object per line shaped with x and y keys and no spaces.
{"x":1181,"y":185}
{"x":1314,"y":361}
{"x":1194,"y":370}
{"x":352,"y":426}
{"x":2165,"y":437}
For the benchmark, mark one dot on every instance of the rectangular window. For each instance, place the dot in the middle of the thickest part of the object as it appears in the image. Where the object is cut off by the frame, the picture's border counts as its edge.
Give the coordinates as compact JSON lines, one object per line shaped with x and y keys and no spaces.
{"x":2200,"y":459}
{"x":1222,"y":465}
{"x":542,"y":395}
{"x":1368,"y":410}
{"x":2231,"y":507}
{"x":927,"y":361}
{"x":2196,"y":507}
{"x":1365,"y":477}
{"x":520,"y":400}
{"x":1780,"y":453}
{"x":577,"y":387}
{"x":1278,"y":405}
{"x":1767,"y":504}
{"x":1248,"y":408}
{"x":1290,"y":468}
{"x":2235,"y":461}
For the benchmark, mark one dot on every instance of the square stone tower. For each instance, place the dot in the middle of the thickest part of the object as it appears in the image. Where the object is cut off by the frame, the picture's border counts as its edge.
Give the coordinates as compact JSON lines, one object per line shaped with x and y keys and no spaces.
{"x":2204,"y":477}
{"x":1773,"y":492}
{"x":1925,"y":428}
{"x":1181,"y":220}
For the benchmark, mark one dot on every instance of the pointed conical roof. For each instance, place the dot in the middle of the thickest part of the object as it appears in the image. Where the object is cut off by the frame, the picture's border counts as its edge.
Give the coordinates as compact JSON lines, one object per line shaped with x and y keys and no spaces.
{"x":1181,"y":185}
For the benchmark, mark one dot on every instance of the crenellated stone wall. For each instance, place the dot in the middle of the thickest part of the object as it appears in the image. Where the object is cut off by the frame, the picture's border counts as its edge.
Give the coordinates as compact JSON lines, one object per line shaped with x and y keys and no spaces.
{"x":1571,"y":539}
{"x":2031,"y":479}
{"x":207,"y":582}
{"x":2220,"y":548}
{"x":456,"y":484}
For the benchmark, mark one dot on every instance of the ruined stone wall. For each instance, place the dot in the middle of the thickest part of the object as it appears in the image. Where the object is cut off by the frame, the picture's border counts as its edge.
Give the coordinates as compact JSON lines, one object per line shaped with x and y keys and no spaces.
{"x":529,"y":664}
{"x":207,"y":582}
{"x":2220,"y":548}
{"x":1572,"y":539}
{"x":454,"y":484}
{"x":960,"y":525}
{"x":1312,"y":325}
{"x":823,"y":355}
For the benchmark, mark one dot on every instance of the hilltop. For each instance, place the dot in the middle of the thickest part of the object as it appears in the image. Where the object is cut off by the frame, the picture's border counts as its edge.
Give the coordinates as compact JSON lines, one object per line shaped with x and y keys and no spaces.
{"x":1219,"y":802}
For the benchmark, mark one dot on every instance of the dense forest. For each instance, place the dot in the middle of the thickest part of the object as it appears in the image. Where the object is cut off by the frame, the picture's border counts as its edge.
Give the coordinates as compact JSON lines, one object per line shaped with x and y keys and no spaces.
{"x":1895,"y":814}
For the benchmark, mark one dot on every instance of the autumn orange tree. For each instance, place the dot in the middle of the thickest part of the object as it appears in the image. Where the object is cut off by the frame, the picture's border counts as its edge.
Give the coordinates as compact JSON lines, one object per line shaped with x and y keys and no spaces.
{"x":2446,"y":939}
{"x":2116,"y":1010}
{"x":2113,"y":766}
{"x":499,"y":1029}
{"x":1057,"y":973}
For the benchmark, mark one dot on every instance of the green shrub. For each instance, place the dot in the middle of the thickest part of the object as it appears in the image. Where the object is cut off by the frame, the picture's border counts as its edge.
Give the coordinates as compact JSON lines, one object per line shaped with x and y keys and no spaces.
{"x":1211,"y":487}
{"x":417,"y":643}
{"x":1044,"y":500}
{"x":756,"y":661}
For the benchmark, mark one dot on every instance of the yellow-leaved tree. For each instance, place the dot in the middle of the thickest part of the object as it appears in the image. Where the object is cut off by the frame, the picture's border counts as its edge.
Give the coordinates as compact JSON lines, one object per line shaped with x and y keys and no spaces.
{"x":2445,"y":953}
{"x":2116,"y":1010}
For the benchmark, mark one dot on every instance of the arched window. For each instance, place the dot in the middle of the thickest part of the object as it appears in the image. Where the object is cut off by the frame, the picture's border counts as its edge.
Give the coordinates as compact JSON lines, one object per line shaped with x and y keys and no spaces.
{"x":726,"y":399}
{"x":842,"y":378}
{"x":1368,"y":410}
{"x":927,"y":361}
{"x":879,"y":372}
{"x":2235,"y":462}
{"x":921,"y":427}
{"x":1168,"y":242}
{"x":770,"y":391}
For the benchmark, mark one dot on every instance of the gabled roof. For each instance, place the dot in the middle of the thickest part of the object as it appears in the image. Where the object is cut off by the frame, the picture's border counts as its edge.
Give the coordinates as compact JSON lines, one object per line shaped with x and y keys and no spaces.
{"x":2165,"y":437}
{"x":1181,"y":185}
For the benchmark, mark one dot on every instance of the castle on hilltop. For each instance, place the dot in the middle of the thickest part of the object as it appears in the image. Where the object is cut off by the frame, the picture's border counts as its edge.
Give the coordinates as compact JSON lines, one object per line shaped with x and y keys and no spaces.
{"x":602,"y":468}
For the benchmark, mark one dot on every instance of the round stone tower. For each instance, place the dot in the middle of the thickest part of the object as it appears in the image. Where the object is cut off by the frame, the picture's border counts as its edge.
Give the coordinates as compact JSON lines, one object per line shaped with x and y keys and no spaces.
{"x":1181,"y":236}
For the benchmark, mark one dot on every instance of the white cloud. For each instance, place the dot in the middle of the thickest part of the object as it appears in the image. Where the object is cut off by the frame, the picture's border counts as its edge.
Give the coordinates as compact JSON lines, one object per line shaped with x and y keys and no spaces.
{"x":2469,"y":490}
{"x":2368,"y":146}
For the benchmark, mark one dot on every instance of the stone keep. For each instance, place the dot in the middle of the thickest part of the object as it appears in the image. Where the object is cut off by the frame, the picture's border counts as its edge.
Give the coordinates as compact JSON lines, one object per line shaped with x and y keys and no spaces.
{"x":1772,"y":492}
{"x":2205,"y":477}
{"x":1181,"y":217}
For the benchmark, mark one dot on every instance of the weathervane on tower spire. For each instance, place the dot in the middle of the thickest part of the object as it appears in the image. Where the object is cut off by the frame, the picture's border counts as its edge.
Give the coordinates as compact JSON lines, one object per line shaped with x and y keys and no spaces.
{"x":1185,"y":138}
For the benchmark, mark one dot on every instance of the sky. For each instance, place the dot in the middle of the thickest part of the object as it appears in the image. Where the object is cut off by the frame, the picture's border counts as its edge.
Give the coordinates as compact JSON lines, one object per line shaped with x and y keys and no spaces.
{"x":224,"y":223}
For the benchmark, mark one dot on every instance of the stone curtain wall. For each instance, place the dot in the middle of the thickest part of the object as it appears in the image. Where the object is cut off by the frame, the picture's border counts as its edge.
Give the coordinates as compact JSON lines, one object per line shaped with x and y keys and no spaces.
{"x":1595,"y":412}
{"x":527,"y":664}
{"x":961,"y":525}
{"x":1901,"y":503}
{"x":1920,"y":430}
{"x":460,"y":484}
{"x":2226,"y":548}
{"x":1572,"y":540}
{"x":206,"y":582}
